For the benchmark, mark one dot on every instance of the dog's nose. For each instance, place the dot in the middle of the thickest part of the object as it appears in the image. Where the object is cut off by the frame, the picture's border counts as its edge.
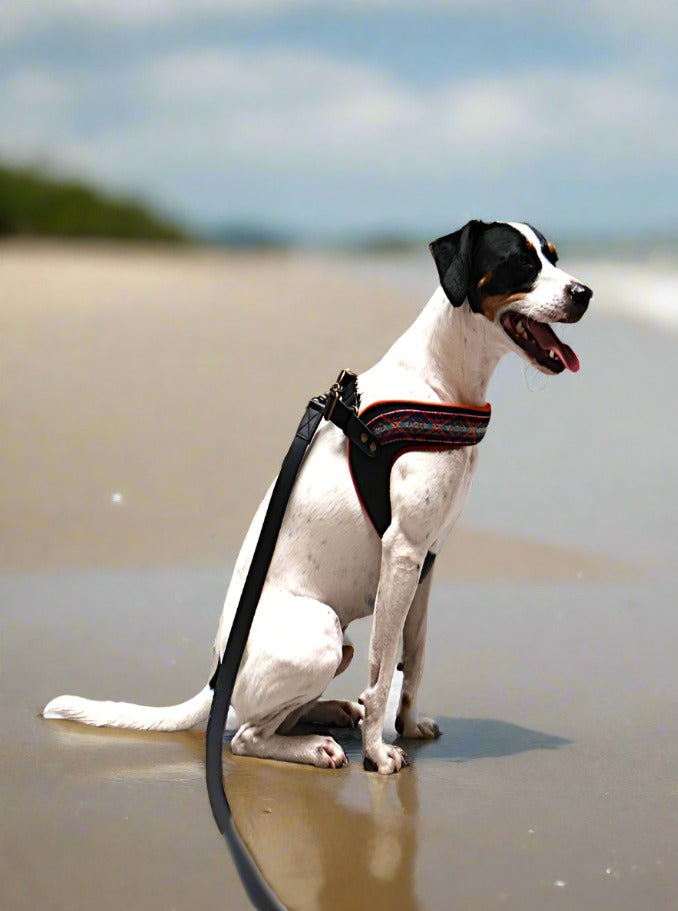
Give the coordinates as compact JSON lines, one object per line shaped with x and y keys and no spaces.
{"x":580,"y":294}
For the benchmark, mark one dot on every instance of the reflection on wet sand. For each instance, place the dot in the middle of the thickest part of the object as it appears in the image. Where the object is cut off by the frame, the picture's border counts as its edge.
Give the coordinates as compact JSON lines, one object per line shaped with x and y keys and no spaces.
{"x":129,"y":755}
{"x":323,"y":838}
{"x":317,"y":836}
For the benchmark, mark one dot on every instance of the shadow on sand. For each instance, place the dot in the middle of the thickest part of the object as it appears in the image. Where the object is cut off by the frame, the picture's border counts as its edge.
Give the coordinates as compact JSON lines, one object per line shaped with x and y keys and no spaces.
{"x":462,"y":740}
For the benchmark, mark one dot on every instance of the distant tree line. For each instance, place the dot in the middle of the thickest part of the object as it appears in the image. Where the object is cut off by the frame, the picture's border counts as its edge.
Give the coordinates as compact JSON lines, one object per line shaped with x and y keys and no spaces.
{"x":32,"y":203}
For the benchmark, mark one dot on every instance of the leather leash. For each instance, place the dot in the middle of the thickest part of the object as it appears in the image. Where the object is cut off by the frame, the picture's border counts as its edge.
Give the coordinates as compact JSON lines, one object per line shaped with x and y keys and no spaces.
{"x":377,"y":437}
{"x":339,"y":406}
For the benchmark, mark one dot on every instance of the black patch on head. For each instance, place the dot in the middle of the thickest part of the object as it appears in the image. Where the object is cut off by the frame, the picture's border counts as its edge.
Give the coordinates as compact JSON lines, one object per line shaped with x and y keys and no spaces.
{"x":495,"y":253}
{"x":510,"y":261}
{"x":547,"y":249}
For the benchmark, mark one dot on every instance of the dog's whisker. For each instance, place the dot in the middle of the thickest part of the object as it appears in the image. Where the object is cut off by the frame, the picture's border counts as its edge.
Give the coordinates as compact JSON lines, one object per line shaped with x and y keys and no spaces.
{"x":535,"y":380}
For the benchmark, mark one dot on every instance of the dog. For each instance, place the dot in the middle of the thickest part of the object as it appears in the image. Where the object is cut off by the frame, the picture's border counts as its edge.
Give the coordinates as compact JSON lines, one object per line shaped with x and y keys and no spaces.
{"x":500,"y":289}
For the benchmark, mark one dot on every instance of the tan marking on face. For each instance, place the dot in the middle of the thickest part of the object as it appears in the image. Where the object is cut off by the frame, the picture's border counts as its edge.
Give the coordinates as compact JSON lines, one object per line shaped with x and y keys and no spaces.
{"x":493,"y":303}
{"x":484,"y":280}
{"x":552,"y":250}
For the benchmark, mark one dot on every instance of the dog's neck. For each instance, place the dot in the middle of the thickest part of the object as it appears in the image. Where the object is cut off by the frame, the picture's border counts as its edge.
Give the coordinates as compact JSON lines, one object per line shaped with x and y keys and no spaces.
{"x":453,"y":349}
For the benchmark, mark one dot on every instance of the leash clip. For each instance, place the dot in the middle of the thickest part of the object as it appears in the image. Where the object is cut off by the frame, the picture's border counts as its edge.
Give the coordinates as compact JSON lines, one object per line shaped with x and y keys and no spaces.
{"x":341,"y":408}
{"x":344,"y":379}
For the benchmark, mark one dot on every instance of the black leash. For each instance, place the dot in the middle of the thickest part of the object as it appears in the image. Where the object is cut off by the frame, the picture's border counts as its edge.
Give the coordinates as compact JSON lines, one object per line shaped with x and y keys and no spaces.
{"x":340,"y":407}
{"x":387,"y":430}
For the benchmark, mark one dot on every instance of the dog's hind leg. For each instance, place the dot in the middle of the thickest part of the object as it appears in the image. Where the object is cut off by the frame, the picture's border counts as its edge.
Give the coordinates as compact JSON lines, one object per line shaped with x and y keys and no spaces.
{"x":294,"y":650}
{"x":335,"y":713}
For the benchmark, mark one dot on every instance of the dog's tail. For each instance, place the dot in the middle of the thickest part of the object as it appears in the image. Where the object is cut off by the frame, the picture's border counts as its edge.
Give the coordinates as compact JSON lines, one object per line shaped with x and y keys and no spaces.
{"x":127,"y":715}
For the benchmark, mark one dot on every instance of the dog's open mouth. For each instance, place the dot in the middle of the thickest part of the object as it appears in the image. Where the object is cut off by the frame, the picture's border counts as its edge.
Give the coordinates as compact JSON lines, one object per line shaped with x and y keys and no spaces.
{"x":540,"y":342}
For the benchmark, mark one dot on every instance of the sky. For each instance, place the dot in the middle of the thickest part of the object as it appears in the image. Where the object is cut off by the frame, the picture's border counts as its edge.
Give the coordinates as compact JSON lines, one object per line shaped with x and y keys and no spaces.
{"x":326,"y":118}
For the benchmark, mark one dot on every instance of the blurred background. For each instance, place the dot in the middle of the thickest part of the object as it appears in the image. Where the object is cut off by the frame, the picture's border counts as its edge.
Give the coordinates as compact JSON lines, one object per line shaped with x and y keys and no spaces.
{"x":303,"y":122}
{"x":206,"y":210}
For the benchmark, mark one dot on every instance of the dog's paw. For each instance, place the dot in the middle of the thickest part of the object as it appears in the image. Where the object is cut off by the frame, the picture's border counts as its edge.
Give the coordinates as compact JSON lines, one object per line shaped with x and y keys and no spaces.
{"x":424,"y":729}
{"x":385,"y":759}
{"x":327,"y":754}
{"x":348,"y":714}
{"x":335,"y":713}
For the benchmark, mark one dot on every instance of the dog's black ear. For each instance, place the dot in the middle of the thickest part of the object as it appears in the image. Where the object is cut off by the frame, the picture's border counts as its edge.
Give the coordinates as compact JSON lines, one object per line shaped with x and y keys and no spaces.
{"x":452,"y":256}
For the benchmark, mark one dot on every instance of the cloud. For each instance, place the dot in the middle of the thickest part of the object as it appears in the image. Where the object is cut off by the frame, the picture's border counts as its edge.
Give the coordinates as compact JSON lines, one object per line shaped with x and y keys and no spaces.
{"x":278,"y":107}
{"x":18,"y":17}
{"x":263,"y":128}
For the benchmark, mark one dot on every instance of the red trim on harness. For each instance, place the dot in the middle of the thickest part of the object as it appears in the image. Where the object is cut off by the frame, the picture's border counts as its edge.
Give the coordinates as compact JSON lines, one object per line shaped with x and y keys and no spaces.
{"x":472,"y":409}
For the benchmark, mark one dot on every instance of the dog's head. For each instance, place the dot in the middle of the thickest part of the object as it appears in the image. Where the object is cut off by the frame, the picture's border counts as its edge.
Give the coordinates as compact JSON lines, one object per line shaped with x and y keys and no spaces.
{"x":507,"y":271}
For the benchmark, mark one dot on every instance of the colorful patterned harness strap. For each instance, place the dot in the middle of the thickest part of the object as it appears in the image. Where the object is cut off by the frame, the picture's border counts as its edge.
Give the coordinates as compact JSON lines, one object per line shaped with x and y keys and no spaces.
{"x":402,"y":427}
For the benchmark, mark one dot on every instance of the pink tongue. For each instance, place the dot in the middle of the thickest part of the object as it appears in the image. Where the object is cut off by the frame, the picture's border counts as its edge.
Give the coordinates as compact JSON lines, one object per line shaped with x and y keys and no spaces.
{"x":548,"y":340}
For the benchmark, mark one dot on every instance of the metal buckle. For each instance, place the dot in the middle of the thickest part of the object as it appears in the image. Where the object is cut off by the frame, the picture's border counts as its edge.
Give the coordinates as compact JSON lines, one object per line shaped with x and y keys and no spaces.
{"x":345,"y":377}
{"x":333,"y":396}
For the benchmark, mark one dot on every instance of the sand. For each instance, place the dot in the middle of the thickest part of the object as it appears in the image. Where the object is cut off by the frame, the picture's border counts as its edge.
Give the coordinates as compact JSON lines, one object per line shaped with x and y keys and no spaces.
{"x":138,"y":440}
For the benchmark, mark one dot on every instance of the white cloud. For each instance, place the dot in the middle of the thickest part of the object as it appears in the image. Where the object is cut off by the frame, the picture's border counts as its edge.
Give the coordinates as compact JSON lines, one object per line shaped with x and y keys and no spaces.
{"x":248,"y":79}
{"x":643,"y":15}
{"x":18,"y":17}
{"x":204,"y":127}
{"x":280,"y":111}
{"x":327,"y":111}
{"x":21,"y":16}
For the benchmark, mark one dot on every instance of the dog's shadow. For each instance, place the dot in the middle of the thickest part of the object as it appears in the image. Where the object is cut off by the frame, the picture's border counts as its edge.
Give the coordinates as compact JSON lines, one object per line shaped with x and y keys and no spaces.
{"x":461,"y":740}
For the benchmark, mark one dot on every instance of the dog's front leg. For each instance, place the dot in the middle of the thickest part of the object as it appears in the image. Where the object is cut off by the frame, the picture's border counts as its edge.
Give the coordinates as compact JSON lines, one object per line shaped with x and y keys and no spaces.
{"x":414,"y":640}
{"x":401,"y":563}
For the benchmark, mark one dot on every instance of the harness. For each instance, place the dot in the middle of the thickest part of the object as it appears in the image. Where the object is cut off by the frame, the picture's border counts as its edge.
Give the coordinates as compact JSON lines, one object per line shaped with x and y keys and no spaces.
{"x":402,"y":427}
{"x":377,"y":436}
{"x":386,"y":430}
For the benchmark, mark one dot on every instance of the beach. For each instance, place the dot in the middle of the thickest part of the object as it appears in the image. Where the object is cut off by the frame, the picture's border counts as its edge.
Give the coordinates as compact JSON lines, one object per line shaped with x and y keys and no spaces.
{"x":148,"y":396}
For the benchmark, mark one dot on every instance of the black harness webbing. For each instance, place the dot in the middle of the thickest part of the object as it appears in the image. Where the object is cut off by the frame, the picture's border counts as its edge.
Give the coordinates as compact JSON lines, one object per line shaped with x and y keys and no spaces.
{"x":376,"y":438}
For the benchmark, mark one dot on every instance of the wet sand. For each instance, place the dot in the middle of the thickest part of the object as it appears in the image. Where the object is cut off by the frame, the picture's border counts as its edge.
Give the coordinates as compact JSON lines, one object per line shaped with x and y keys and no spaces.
{"x":551,"y":663}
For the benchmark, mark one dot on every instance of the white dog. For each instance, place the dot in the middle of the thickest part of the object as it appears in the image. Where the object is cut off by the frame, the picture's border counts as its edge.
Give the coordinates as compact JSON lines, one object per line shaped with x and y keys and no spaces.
{"x":500,"y":287}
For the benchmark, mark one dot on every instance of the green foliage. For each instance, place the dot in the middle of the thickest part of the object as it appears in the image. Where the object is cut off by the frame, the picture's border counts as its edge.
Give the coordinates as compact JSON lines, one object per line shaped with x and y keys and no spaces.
{"x":34,"y":204}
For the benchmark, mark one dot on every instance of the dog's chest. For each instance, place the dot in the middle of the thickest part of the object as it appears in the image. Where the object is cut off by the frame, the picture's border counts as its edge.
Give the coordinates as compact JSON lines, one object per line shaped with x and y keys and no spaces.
{"x":460,"y":492}
{"x":429,"y":491}
{"x":328,"y":548}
